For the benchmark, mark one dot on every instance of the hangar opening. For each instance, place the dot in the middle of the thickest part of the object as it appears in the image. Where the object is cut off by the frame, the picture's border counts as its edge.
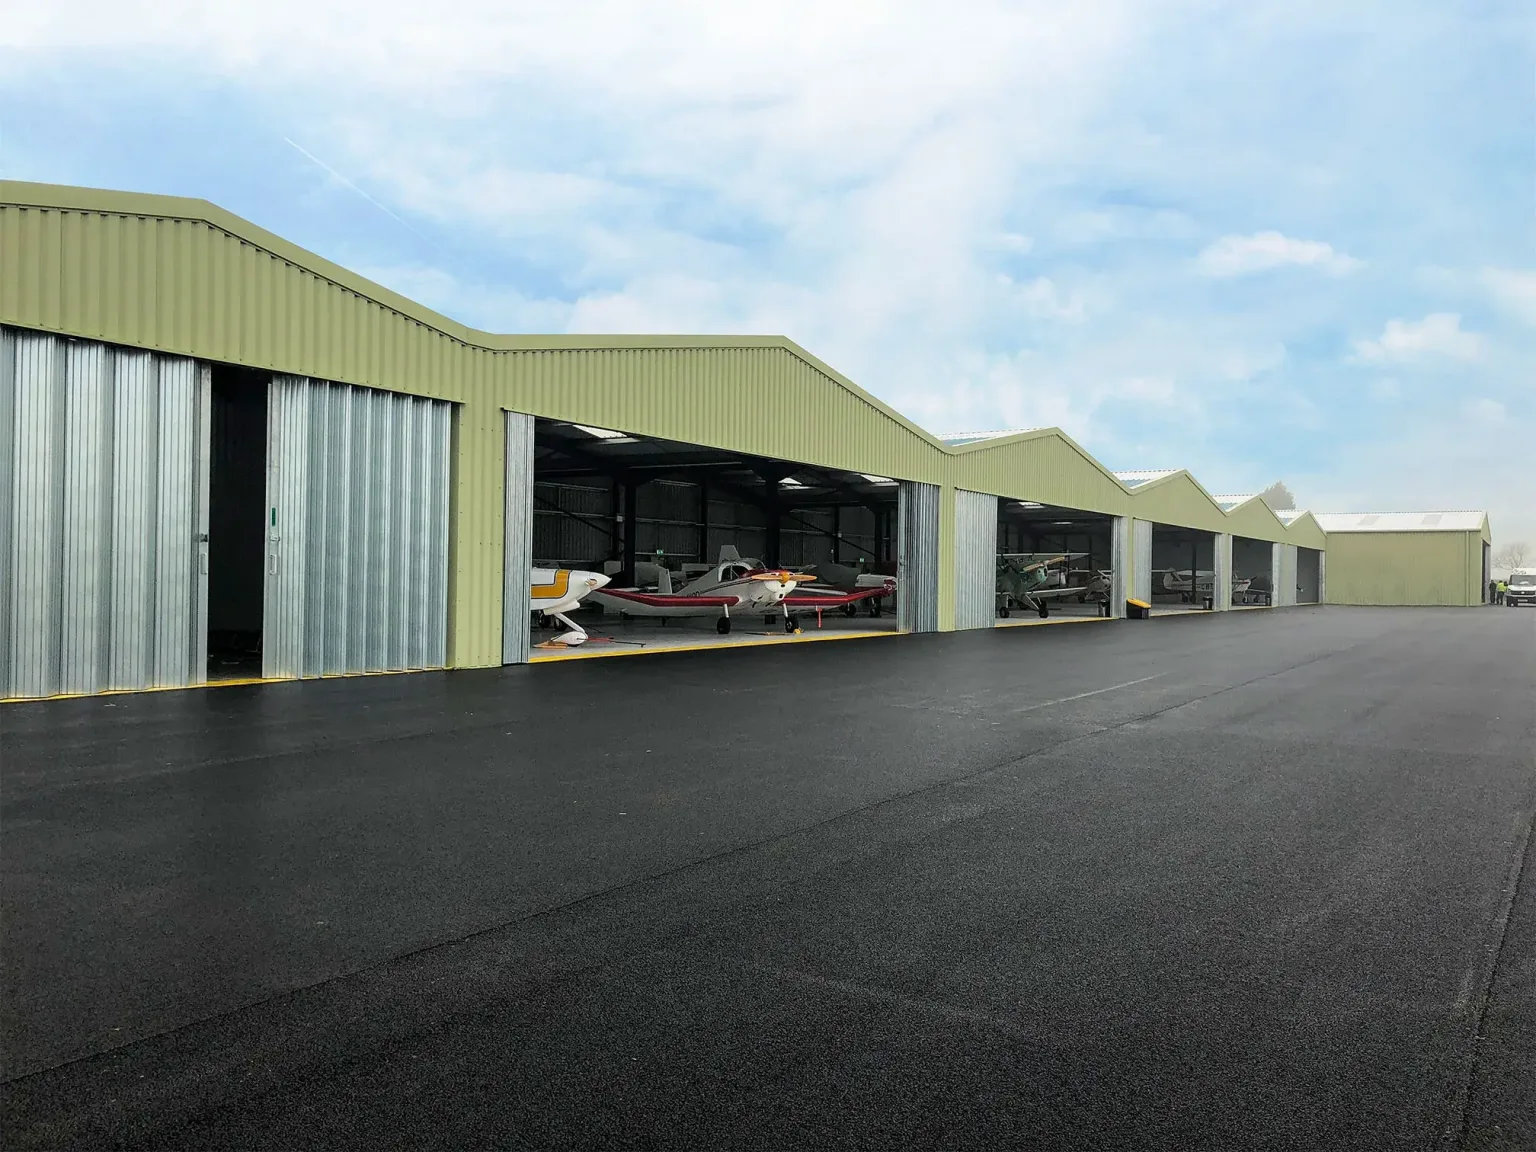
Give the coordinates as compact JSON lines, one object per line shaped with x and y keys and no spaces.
{"x":1054,"y":563}
{"x":1254,"y":565}
{"x":619,"y":543}
{"x":1177,"y":568}
{"x":236,"y":506}
{"x":1309,"y":576}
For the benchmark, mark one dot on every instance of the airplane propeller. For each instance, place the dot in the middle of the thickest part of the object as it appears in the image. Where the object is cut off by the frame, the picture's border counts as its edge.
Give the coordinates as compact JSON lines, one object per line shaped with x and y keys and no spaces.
{"x":783,"y":577}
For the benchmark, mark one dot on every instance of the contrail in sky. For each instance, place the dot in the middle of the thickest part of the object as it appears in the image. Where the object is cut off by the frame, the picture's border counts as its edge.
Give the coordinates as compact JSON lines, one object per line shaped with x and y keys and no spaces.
{"x":315,"y":159}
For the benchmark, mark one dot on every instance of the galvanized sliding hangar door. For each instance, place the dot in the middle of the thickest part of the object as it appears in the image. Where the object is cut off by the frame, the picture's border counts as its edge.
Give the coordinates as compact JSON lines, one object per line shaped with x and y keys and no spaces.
{"x":103,"y":517}
{"x":659,"y":518}
{"x":357,"y":493}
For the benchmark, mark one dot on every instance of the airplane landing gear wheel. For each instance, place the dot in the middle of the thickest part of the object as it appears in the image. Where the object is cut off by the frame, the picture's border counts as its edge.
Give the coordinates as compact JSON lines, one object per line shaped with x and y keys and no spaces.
{"x":723,"y":625}
{"x":1045,"y":610}
{"x":791,"y":625}
{"x":874,"y":608}
{"x":1003,"y":611}
{"x":850,"y":609}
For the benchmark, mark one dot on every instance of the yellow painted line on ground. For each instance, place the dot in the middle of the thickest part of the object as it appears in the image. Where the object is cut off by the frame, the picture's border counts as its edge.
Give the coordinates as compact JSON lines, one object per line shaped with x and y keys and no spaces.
{"x":550,"y":657}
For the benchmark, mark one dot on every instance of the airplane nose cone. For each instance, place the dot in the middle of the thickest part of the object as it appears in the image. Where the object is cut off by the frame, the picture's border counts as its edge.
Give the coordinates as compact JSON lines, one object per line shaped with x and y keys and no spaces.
{"x":596,"y":579}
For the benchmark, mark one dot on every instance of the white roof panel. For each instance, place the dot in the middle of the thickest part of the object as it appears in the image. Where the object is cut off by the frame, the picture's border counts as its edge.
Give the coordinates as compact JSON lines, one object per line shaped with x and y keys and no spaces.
{"x":1461,"y":521}
{"x":1138,"y":476}
{"x":1288,"y":515}
{"x":1232,"y":500}
{"x":955,"y":439}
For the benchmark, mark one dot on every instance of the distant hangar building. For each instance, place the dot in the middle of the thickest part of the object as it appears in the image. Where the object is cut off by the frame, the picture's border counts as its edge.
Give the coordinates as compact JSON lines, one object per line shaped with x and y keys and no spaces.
{"x":1409,"y":558}
{"x":217,"y":447}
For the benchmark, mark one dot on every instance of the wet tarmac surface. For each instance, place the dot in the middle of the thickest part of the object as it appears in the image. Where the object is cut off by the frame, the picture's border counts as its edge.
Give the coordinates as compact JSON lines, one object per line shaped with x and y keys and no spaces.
{"x":1249,"y":880}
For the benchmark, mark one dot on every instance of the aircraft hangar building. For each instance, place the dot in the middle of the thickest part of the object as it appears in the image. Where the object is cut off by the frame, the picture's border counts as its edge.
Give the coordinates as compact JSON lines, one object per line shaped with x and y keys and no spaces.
{"x":221,"y":451}
{"x":1408,"y":558}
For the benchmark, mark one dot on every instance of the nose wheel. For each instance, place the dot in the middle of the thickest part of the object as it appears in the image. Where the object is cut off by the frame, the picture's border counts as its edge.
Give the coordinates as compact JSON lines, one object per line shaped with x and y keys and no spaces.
{"x":791,"y":625}
{"x":723,"y":625}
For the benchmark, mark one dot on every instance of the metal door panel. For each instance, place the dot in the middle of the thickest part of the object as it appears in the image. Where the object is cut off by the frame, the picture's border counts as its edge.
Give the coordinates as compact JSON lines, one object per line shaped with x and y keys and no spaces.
{"x":358,"y":530}
{"x":975,"y":560}
{"x":1142,"y":569}
{"x":103,"y":529}
{"x":517,"y":561}
{"x":917,"y":589}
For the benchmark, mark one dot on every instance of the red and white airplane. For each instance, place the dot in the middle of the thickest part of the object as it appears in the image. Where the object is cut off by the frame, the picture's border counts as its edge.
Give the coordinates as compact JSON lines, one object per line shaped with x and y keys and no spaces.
{"x":735,"y":582}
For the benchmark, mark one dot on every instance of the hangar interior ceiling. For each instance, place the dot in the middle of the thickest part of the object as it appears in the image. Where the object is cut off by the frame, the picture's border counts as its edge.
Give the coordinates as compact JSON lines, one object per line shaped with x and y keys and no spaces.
{"x":686,"y":502}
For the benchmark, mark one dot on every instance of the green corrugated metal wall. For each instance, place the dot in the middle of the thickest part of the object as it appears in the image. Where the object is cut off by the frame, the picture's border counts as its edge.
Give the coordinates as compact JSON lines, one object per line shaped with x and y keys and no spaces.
{"x":1305,"y":533}
{"x":1043,"y":466}
{"x":186,"y":277}
{"x":1255,"y":520}
{"x":1179,"y":500}
{"x":1407,"y":568}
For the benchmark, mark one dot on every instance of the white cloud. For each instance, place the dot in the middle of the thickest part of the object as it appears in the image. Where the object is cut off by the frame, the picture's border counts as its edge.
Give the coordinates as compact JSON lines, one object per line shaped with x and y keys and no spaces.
{"x":1460,"y":458}
{"x":1405,"y":341}
{"x":1242,"y":255}
{"x":980,"y":212}
{"x":1487,"y":411}
{"x":1514,"y":290}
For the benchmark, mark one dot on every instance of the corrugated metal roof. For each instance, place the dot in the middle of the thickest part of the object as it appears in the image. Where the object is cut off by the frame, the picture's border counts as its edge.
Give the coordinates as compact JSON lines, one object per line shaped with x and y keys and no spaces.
{"x":955,"y":439}
{"x":1287,"y":515}
{"x":1460,"y":521}
{"x":1136,"y":477}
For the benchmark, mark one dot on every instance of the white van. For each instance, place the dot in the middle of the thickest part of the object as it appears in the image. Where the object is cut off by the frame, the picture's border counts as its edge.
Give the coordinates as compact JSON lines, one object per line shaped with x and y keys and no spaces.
{"x":1522,"y":587}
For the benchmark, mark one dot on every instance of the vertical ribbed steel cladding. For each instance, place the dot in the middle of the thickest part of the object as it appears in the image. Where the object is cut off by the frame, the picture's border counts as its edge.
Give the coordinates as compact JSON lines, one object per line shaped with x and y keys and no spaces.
{"x":357,"y":524}
{"x":917,"y":590}
{"x":516,"y":643}
{"x":105,"y":519}
{"x":1221,"y":573}
{"x":1285,"y":580}
{"x":1141,"y":569}
{"x":1120,"y":565}
{"x":975,"y":560}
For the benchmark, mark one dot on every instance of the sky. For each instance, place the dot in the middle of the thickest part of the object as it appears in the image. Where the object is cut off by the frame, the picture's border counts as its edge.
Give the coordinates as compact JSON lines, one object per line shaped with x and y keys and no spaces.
{"x":1260,"y":240}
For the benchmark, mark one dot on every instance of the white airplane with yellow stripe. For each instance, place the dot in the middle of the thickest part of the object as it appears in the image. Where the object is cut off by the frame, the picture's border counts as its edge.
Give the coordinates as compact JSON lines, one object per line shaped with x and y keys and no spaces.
{"x":555,"y":591}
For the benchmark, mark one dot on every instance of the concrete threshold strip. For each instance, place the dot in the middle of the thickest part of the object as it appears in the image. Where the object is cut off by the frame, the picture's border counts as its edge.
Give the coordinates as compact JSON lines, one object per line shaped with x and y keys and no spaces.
{"x":1058,"y":620}
{"x":553,"y":655}
{"x":230,"y":682}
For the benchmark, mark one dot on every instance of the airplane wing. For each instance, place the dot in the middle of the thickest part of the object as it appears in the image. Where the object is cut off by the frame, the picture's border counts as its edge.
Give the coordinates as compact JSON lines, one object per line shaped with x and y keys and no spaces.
{"x":662,"y":600}
{"x":1042,"y":555}
{"x":1062,"y":593}
{"x":832,"y":599}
